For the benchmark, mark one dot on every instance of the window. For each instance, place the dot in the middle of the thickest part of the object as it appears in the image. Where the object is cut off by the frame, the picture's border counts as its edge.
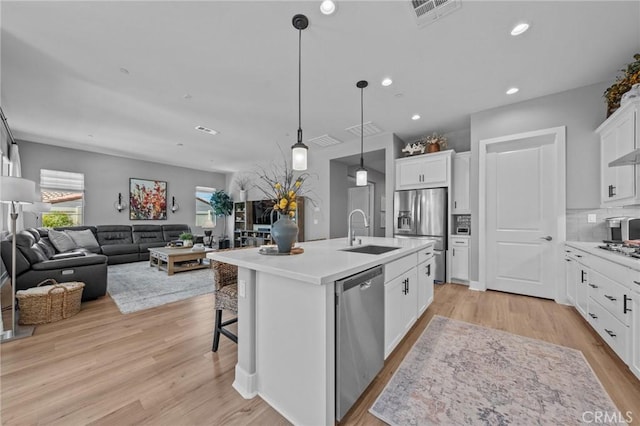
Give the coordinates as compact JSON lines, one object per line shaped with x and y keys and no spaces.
{"x":204,"y":212}
{"x":65,"y":192}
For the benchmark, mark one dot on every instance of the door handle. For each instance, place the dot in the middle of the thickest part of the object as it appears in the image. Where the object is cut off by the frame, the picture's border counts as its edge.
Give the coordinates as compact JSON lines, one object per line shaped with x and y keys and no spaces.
{"x":548,"y":238}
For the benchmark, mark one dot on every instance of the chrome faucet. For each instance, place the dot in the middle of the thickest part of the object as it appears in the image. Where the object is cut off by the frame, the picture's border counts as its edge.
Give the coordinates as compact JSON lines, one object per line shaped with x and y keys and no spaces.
{"x":366,"y":225}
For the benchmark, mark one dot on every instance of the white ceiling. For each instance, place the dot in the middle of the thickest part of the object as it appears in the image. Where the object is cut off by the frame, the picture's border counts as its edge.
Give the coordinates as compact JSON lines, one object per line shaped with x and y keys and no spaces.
{"x":62,"y":82}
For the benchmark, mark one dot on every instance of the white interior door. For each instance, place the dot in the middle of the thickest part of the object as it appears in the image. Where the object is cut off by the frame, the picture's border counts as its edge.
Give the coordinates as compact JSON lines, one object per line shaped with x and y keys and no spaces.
{"x":521,"y":216}
{"x":361,"y":197}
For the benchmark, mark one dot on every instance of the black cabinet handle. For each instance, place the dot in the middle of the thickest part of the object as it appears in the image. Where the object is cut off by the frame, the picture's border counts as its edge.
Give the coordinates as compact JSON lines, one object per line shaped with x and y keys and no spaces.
{"x":613,"y":299}
{"x":582,"y":275}
{"x":594,"y":316}
{"x":612,"y":191}
{"x":455,"y":204}
{"x":568,"y":260}
{"x":454,"y":252}
{"x":429,"y":270}
{"x":637,"y":282}
{"x":610,"y":333}
{"x":407,"y":286}
{"x":625,"y":309}
{"x":578,"y":255}
{"x":593,"y":285}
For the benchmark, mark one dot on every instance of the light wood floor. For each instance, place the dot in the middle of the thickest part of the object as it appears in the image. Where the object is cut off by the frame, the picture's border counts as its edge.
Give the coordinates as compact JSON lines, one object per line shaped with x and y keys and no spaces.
{"x":156,"y":367}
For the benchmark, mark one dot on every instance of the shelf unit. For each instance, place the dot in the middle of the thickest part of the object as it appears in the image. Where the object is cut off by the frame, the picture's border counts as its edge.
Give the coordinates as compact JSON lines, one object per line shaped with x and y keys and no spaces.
{"x":243,"y":233}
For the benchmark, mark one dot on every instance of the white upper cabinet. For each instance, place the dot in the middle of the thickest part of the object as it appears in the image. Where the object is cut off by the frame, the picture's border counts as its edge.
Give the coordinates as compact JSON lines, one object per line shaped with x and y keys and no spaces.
{"x":619,"y":136}
{"x":424,"y":171}
{"x":460,"y":183}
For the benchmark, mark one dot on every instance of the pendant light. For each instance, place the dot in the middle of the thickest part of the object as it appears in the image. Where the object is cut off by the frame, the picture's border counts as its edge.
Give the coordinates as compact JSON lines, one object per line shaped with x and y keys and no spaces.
{"x":361,"y":173}
{"x":299,"y":150}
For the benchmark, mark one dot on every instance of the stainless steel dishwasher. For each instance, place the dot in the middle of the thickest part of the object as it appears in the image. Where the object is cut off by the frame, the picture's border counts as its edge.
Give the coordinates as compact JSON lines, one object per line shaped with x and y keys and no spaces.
{"x":359,"y":335}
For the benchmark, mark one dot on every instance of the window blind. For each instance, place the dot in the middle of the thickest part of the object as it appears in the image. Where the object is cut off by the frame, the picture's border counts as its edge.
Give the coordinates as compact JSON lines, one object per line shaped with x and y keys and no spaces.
{"x":56,"y":179}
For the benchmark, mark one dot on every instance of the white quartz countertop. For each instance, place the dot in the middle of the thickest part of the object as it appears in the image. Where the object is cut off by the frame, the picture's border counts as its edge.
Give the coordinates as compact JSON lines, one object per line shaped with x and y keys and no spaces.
{"x":592,"y":248}
{"x":322,"y":261}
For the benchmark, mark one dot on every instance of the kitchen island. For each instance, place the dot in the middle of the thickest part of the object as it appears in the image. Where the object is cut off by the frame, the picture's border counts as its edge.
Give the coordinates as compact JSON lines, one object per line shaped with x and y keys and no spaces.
{"x":286,"y":321}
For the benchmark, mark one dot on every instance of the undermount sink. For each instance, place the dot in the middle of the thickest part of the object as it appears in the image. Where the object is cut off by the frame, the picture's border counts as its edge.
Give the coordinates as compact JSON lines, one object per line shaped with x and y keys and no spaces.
{"x":370,"y":249}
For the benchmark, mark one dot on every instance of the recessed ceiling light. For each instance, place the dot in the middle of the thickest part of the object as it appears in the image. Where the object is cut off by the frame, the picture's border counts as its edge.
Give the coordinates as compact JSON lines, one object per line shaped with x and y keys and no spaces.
{"x":207,"y":130}
{"x":387,"y":82}
{"x":124,"y":71}
{"x":512,"y":90}
{"x":415,"y":117}
{"x":327,"y":7}
{"x":180,"y":144}
{"x":519,"y":29}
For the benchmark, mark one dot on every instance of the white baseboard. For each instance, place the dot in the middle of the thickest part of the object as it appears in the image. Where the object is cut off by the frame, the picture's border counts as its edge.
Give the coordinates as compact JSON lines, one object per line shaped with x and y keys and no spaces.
{"x":245,"y":383}
{"x":475,"y":285}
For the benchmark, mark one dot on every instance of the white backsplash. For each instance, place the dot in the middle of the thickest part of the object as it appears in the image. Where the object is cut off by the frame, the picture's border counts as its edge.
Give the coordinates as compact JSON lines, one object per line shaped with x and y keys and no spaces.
{"x":579,"y":230}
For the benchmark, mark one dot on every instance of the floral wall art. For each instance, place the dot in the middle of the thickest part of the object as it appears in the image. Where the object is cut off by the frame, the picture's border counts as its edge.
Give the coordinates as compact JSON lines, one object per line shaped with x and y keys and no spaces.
{"x":147,"y":199}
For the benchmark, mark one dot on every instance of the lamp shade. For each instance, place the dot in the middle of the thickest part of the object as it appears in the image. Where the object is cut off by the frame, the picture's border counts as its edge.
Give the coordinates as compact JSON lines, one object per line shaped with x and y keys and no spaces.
{"x":208,"y":223}
{"x":361,"y":177}
{"x":17,"y":190}
{"x":299,"y":157}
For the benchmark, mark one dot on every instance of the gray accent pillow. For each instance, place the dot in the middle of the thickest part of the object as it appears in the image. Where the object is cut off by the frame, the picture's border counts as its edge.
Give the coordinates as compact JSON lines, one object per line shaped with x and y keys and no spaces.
{"x":84,"y":239}
{"x":61,"y":241}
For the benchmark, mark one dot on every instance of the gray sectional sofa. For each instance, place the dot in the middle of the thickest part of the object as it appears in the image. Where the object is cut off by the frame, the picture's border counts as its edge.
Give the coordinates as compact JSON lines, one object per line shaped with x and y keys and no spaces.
{"x":39,"y":258}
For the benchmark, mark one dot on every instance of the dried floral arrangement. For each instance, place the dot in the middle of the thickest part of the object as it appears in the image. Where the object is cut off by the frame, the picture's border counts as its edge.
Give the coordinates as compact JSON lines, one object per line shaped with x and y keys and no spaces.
{"x":435,"y":138}
{"x":622,"y":85}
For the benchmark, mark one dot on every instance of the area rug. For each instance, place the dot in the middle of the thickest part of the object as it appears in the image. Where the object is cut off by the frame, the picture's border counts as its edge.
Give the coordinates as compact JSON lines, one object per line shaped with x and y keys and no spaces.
{"x":463,"y":374}
{"x":137,"y":286}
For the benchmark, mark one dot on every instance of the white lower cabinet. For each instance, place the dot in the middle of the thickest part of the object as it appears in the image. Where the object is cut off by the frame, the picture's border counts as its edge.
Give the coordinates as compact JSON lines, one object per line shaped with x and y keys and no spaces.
{"x":570,"y":274}
{"x":400,"y":309}
{"x":608,"y":295}
{"x":459,"y":260}
{"x":634,"y":362}
{"x":425,"y":284}
{"x":408,"y":291}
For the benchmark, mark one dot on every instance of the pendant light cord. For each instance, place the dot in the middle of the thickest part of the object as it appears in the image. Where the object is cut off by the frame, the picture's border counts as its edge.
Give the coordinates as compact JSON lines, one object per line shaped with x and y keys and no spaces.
{"x":361,"y":126}
{"x":300,"y":86}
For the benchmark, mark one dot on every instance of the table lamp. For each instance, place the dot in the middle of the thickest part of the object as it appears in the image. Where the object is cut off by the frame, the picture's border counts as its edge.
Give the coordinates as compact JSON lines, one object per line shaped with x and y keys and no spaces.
{"x":14,"y":191}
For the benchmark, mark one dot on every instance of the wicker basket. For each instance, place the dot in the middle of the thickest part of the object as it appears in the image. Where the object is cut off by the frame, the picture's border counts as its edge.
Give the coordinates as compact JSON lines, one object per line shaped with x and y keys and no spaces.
{"x":49,"y":303}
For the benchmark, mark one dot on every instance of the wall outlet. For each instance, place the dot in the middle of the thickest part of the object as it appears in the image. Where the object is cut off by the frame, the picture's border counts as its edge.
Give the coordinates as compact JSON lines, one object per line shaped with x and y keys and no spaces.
{"x":591,"y":218}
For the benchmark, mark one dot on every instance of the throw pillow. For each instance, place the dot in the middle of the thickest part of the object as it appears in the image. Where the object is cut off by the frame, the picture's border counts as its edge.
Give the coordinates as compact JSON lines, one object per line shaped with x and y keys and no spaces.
{"x":84,"y":239}
{"x":37,"y":249}
{"x":61,"y":241}
{"x":47,"y":247}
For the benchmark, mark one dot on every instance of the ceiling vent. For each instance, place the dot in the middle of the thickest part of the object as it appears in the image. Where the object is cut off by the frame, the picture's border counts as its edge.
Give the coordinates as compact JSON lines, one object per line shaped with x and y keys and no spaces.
{"x":325,"y":140}
{"x":207,"y":130}
{"x":428,"y":11}
{"x":369,"y":129}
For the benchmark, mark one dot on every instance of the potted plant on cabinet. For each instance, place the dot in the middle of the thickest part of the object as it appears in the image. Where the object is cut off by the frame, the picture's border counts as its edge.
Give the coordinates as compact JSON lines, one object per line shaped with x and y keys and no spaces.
{"x":243,"y":183}
{"x":435,"y":142}
{"x":623,"y":84}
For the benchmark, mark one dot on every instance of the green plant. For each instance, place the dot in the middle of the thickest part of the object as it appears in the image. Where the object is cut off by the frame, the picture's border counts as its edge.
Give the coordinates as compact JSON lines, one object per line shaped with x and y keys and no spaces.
{"x":623,"y":84}
{"x":55,"y":219}
{"x":243,"y":181}
{"x":186,"y":236}
{"x":222,"y":205}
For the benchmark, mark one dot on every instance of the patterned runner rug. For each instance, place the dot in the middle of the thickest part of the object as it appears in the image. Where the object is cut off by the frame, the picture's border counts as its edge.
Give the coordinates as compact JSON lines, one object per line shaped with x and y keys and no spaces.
{"x":137,"y":286}
{"x":463,"y":374}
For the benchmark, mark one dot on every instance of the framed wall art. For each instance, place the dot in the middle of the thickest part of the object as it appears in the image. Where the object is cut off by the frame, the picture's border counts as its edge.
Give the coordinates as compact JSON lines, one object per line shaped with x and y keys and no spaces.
{"x":147,"y":199}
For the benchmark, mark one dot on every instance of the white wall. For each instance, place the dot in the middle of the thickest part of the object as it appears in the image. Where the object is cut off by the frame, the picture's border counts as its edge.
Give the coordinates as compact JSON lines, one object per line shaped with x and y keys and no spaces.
{"x":106,"y":175}
{"x":581,"y":110}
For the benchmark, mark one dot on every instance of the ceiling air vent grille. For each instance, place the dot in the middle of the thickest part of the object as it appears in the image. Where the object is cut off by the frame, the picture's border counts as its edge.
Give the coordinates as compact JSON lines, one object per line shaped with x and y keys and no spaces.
{"x":325,"y":140}
{"x":207,"y":130}
{"x":428,"y":11}
{"x":369,"y":129}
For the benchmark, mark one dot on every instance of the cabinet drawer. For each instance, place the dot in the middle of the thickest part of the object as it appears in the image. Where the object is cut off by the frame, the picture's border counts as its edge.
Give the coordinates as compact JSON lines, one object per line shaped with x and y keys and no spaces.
{"x":459,"y":242}
{"x":610,"y":295}
{"x":610,"y":329}
{"x":613,"y":270}
{"x":425,"y":254}
{"x":400,"y":266}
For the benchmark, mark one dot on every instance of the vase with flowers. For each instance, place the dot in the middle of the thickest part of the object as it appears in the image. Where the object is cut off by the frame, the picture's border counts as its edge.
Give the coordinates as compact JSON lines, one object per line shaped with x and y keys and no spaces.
{"x":435,"y":142}
{"x":280,"y":185}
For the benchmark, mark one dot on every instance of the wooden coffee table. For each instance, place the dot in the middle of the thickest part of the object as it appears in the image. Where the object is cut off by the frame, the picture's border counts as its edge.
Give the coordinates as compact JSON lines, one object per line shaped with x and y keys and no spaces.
{"x":177,"y":259}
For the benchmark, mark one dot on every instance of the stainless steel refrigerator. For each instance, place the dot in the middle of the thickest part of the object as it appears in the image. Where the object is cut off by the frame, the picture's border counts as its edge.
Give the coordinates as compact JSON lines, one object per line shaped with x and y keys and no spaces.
{"x":422,"y":213}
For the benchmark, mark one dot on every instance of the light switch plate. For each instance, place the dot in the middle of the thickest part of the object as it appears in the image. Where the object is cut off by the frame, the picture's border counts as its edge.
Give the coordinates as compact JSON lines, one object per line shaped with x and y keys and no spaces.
{"x":242,"y":288}
{"x":591,"y":218}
